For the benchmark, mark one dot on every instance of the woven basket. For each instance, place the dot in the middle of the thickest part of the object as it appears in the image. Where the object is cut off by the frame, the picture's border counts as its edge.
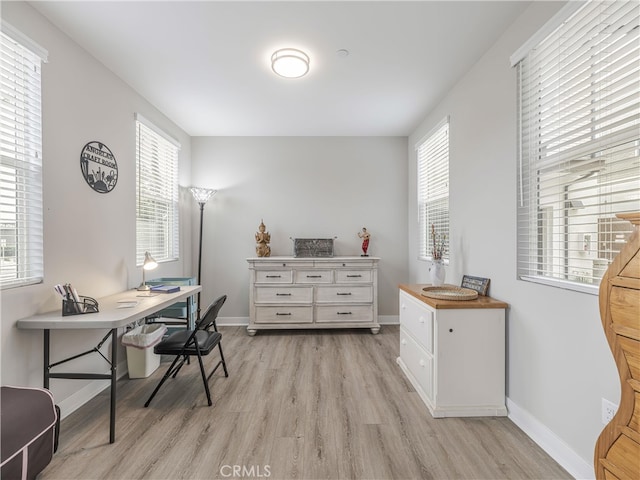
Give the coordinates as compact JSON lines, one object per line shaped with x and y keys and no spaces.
{"x":449,"y":292}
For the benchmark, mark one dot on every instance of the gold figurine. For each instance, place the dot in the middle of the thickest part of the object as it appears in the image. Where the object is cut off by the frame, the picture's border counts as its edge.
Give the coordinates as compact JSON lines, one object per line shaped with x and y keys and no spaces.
{"x":262,"y":239}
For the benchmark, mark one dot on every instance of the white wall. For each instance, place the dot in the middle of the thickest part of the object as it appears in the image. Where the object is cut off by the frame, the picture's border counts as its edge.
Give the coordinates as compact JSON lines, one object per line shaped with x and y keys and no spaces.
{"x":89,"y":237}
{"x":559,"y":364}
{"x":302,"y":187}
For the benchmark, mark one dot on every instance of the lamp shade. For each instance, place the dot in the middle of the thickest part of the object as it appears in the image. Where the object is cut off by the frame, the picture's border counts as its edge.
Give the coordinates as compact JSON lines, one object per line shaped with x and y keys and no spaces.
{"x":149,"y":262}
{"x":290,"y":63}
{"x":202,"y":195}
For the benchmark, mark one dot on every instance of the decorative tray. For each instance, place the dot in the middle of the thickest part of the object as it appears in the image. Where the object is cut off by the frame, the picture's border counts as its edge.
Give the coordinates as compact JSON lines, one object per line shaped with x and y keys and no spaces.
{"x":449,"y":292}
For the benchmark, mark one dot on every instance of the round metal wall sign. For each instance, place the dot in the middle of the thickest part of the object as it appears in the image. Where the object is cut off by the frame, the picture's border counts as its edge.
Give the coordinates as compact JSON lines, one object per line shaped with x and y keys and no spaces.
{"x":99,"y":167}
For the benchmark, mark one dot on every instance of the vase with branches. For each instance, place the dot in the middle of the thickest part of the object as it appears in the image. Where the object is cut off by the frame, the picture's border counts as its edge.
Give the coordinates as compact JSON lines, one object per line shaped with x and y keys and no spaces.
{"x":438,"y":244}
{"x":438,"y":248}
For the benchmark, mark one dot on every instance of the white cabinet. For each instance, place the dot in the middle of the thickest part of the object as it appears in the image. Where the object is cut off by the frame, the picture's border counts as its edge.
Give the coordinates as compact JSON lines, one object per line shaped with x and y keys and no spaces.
{"x":333,"y":292}
{"x":453,"y":353}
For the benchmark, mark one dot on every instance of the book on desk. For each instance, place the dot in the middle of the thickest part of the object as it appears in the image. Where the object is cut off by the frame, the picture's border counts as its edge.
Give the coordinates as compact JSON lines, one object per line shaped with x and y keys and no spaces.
{"x":165,"y":288}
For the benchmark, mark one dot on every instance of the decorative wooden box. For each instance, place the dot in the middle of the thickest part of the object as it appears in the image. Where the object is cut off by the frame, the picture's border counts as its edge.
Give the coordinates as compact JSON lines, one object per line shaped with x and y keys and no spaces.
{"x":312,"y":247}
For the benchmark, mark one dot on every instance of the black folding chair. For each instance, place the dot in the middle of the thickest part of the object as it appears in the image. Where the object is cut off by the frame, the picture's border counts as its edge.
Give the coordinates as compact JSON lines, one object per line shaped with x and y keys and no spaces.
{"x":193,"y":343}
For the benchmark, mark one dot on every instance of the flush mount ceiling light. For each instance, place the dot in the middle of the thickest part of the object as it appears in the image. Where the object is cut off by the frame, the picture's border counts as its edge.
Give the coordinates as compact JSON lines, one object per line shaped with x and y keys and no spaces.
{"x":290,"y":62}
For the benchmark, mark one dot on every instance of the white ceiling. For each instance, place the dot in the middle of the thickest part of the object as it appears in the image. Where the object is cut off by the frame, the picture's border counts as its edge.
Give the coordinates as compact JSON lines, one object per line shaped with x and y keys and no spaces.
{"x":205,"y":64}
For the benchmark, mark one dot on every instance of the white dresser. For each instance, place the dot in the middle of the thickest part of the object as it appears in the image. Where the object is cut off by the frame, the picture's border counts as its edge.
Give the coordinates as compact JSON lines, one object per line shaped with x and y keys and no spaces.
{"x":293,"y":292}
{"x":453,"y":353}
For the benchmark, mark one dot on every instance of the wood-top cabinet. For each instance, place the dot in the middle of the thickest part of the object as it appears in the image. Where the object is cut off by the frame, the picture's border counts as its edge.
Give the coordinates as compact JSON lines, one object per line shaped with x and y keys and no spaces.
{"x":453,"y":353}
{"x":332,"y":292}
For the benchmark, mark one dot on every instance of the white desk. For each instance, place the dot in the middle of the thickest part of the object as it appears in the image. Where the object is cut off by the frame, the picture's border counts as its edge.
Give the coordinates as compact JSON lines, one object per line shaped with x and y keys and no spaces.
{"x":109,"y":317}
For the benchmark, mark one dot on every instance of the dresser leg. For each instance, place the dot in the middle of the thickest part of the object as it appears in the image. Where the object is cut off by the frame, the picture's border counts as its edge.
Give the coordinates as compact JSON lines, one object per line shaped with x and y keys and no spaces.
{"x":251,"y":332}
{"x":375,"y":330}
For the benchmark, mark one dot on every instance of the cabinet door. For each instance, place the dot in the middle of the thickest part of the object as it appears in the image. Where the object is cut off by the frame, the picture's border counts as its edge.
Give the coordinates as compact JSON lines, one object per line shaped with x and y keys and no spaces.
{"x":471,"y":357}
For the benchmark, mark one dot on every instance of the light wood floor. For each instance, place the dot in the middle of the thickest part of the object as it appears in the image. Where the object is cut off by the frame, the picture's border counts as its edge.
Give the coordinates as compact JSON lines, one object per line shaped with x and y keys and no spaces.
{"x":297,"y":405}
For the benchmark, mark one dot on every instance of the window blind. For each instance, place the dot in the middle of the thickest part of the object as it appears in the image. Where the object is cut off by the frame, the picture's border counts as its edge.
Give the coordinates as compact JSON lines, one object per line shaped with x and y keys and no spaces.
{"x":21,"y":225}
{"x":579,"y":115}
{"x":433,"y":190}
{"x":157,"y":221}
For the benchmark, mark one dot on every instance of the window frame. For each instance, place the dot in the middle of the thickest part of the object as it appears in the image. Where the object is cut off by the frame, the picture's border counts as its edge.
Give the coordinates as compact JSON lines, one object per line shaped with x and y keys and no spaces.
{"x":432,"y":152}
{"x":576,"y":143}
{"x":157,"y":160}
{"x":21,"y":204}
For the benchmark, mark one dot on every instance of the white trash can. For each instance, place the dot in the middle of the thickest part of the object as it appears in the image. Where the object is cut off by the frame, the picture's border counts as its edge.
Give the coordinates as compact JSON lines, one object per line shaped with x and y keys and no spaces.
{"x":141,"y":361}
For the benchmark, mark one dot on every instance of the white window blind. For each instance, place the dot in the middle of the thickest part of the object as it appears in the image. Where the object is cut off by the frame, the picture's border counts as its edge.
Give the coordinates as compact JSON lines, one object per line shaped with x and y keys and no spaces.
{"x":157,"y":225}
{"x":579,"y":109}
{"x":21,"y":230}
{"x":433,"y":190}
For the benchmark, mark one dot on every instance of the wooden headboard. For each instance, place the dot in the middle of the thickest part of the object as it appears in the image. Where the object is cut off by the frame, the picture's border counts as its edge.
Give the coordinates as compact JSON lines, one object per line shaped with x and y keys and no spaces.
{"x":617,"y":452}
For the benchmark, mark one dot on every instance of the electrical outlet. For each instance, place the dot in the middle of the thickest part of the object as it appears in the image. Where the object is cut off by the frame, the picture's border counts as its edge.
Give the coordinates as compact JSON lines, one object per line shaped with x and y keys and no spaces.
{"x":609,"y":409}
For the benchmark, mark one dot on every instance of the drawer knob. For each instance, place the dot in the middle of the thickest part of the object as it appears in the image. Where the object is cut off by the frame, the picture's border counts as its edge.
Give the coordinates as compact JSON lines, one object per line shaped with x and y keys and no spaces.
{"x":422,"y":364}
{"x":283,"y":294}
{"x":283,"y":314}
{"x":346,"y":293}
{"x":274,"y":276}
{"x":314,"y":276}
{"x":354,"y":276}
{"x":403,"y":341}
{"x":421,"y":320}
{"x":345,"y":313}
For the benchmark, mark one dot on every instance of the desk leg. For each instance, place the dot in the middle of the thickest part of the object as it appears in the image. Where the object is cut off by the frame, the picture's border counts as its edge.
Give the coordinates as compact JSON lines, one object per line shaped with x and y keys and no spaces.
{"x":190,"y":324}
{"x":45,"y":375}
{"x":114,"y":365}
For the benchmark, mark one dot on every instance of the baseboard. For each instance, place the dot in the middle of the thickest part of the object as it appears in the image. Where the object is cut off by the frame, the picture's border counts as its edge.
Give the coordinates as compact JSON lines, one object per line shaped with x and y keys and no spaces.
{"x":555,"y":447}
{"x":232,"y":321}
{"x":389,"y":319}
{"x":86,"y":393}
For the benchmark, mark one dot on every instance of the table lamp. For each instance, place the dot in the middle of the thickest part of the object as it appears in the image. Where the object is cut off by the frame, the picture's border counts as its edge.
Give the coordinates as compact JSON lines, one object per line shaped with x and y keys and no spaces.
{"x":148,"y":264}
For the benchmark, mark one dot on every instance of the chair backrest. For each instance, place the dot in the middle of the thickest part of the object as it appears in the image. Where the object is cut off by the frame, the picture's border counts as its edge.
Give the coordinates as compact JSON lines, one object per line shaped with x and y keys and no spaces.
{"x":209,"y":317}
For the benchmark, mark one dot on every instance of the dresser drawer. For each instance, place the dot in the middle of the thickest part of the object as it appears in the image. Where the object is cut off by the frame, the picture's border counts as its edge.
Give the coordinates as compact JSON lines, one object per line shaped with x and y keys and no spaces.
{"x":417,"y":318}
{"x":350,"y":263}
{"x":344,"y":294}
{"x":313,"y":276}
{"x":283,"y":294}
{"x":284,"y":314}
{"x":274,"y":276}
{"x":353,"y":276}
{"x":344,"y":313}
{"x":418,"y":361}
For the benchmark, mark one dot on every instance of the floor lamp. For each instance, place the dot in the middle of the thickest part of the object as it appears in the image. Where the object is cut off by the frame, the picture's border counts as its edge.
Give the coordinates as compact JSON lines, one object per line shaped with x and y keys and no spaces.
{"x":202,"y":196}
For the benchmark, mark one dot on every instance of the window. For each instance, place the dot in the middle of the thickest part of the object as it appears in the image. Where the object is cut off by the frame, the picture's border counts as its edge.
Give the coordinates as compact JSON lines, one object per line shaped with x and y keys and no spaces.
{"x":433,"y":190}
{"x":579,"y":105}
{"x":157,"y":229}
{"x":21,"y":237}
